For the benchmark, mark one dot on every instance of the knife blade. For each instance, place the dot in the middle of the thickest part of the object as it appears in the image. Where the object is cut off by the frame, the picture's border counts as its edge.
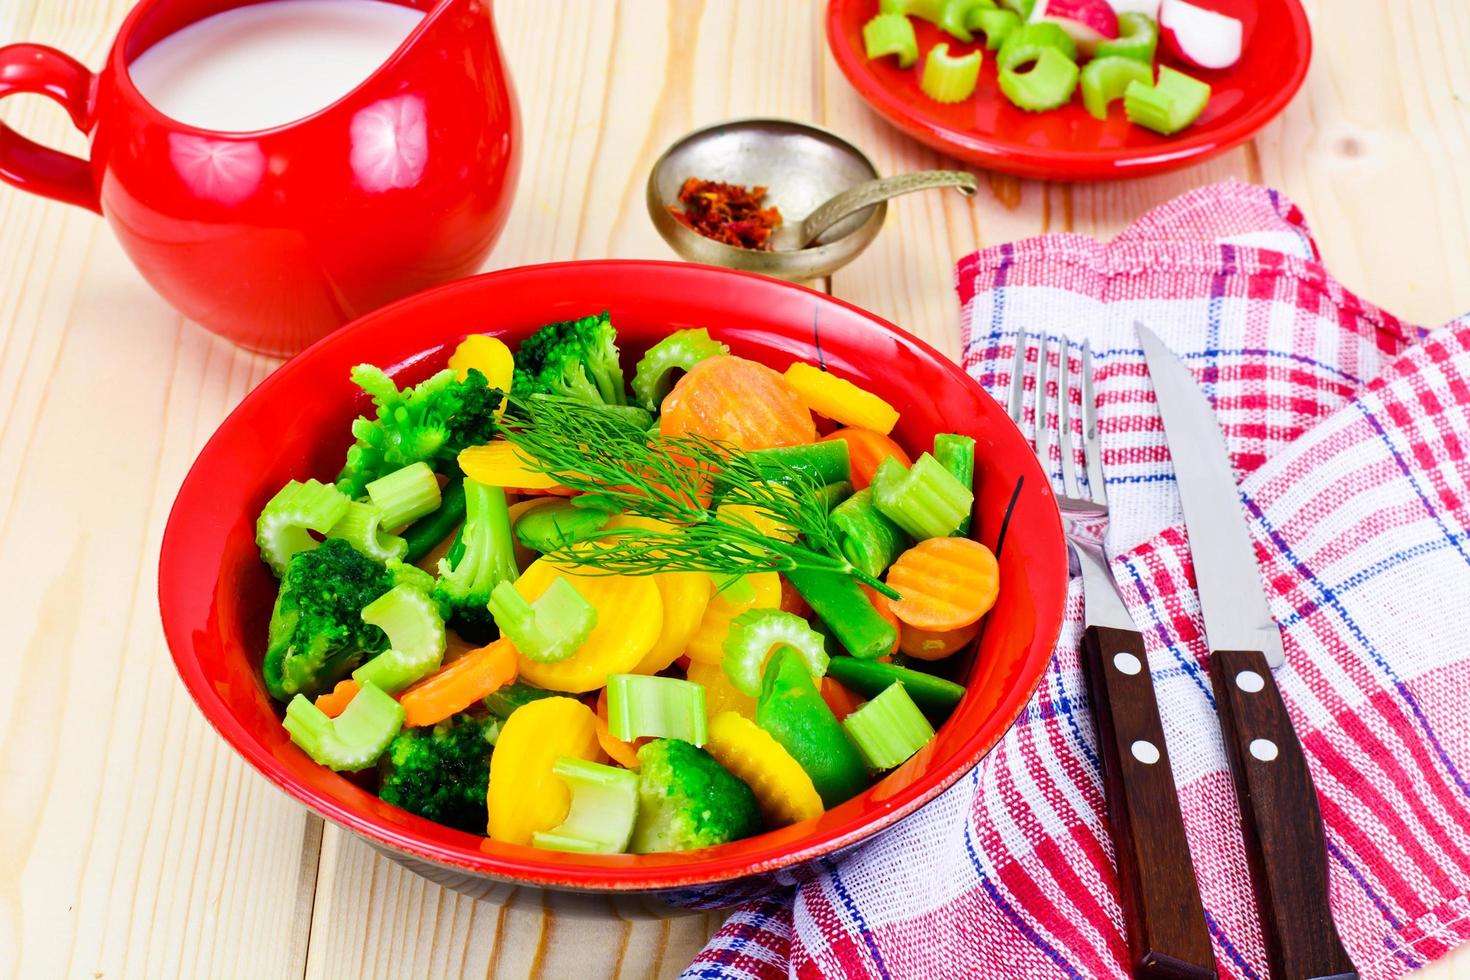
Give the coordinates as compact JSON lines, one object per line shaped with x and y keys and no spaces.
{"x":1281,"y":820}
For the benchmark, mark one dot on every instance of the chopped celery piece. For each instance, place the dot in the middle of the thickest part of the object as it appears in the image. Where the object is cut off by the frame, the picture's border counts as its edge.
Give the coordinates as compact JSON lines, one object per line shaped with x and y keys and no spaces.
{"x":888,"y":729}
{"x":1104,"y":80}
{"x":929,"y":10}
{"x":1022,"y":8}
{"x":547,"y":630}
{"x":925,"y":500}
{"x":425,"y":534}
{"x":553,"y":526}
{"x":1166,"y":108}
{"x":947,"y":79}
{"x":885,"y":34}
{"x":683,"y":349}
{"x":1138,"y":38}
{"x":361,"y":527}
{"x":405,"y":495}
{"x":641,"y":705}
{"x":507,"y":699}
{"x":954,"y":17}
{"x":956,"y":453}
{"x":1027,"y":42}
{"x":282,"y":528}
{"x":415,"y":639}
{"x":996,"y":25}
{"x":1048,"y":84}
{"x":603,"y":809}
{"x":756,"y":633}
{"x":935,"y":696}
{"x":868,"y":539}
{"x":355,"y":738}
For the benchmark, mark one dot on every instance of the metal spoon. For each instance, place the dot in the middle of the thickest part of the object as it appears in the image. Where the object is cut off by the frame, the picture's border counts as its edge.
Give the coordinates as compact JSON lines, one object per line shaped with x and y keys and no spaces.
{"x":792,"y":236}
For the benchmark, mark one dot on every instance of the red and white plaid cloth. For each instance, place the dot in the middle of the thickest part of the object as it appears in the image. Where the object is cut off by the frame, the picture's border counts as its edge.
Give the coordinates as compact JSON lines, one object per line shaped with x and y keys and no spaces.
{"x":1351,"y":432}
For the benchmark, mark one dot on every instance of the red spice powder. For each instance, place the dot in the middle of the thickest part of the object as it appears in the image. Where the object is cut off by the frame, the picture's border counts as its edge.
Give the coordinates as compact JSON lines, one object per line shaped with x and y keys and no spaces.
{"x":728,"y":213}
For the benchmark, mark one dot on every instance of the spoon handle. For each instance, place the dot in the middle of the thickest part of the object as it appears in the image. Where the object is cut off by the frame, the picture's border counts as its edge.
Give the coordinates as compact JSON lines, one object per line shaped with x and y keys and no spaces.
{"x":870,"y":193}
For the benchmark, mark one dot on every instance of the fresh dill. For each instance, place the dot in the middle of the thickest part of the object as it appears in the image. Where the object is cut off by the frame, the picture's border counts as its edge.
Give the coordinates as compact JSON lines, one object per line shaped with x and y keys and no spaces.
{"x":618,"y":466}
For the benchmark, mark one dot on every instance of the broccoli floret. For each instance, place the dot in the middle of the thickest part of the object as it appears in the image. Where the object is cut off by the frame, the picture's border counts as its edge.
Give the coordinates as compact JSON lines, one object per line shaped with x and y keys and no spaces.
{"x":686,"y":800}
{"x":441,"y":773}
{"x":429,"y":422}
{"x":573,"y":359}
{"x":316,"y":634}
{"x":488,"y":558}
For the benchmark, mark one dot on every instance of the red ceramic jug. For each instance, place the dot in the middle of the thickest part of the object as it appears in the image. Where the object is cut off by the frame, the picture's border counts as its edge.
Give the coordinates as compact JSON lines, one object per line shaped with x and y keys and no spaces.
{"x":275,"y":237}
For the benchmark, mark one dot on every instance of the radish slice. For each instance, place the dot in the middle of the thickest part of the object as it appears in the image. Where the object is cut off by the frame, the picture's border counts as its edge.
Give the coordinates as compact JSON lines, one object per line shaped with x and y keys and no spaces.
{"x":1200,"y":37}
{"x":1087,"y":22}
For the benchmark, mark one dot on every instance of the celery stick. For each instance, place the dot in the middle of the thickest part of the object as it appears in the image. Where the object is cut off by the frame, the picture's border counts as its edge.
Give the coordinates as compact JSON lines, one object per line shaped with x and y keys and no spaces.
{"x":888,"y":729}
{"x":405,"y":495}
{"x":892,"y":34}
{"x":949,"y":79}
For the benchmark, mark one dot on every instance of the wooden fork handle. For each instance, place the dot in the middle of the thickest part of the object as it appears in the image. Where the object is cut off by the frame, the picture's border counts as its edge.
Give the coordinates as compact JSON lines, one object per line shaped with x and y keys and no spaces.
{"x":1167,"y":935}
{"x":1280,"y":819}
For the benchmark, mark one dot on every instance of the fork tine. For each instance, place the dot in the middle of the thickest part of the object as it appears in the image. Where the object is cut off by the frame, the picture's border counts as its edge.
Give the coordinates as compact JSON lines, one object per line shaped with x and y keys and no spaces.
{"x":1091,"y":447}
{"x":1043,"y":430}
{"x":1018,"y":377}
{"x":1065,"y":440}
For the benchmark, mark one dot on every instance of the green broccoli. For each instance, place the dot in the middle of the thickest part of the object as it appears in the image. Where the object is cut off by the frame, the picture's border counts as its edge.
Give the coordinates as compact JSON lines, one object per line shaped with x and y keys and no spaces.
{"x":686,"y":800}
{"x":483,"y":558}
{"x":441,"y":773}
{"x":316,"y":634}
{"x":429,"y":422}
{"x":574,"y":359}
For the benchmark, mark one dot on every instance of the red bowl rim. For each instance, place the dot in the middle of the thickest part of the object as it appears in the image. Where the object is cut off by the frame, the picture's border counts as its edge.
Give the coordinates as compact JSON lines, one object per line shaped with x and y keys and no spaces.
{"x":583,"y":873}
{"x":997,"y":154}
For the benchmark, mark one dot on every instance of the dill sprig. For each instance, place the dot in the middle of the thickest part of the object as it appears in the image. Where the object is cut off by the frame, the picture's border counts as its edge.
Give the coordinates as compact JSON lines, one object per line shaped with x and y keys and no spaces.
{"x":616,"y":465}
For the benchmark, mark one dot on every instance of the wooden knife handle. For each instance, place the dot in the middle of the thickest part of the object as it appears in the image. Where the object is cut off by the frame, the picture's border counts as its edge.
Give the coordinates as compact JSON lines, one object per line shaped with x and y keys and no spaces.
{"x":1280,"y":819}
{"x":1167,"y":937}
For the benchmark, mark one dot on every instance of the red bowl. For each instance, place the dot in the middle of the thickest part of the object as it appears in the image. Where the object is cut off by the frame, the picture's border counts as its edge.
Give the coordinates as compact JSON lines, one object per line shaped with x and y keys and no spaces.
{"x":1067,"y":143}
{"x":215,"y":594}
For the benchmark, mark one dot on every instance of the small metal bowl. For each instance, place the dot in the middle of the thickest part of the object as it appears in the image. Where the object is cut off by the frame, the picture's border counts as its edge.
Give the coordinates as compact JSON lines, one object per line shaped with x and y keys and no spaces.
{"x":801,"y":166}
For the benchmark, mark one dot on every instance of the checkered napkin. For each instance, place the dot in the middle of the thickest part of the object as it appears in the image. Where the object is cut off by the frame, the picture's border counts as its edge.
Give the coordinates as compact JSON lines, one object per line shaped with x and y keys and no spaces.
{"x":1351,"y":432}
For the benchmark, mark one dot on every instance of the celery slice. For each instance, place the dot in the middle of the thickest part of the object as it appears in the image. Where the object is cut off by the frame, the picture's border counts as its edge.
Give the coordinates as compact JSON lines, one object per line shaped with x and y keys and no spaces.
{"x":354,"y":739}
{"x":361,"y":527}
{"x":929,"y":10}
{"x":1104,"y":80}
{"x":954,"y":17}
{"x":641,"y":705}
{"x":1166,"y":108}
{"x":603,"y":810}
{"x":405,"y":495}
{"x":1138,"y":38}
{"x":1026,"y":43}
{"x":1047,"y":85}
{"x":888,"y":729}
{"x":683,"y":349}
{"x":926,"y":501}
{"x":756,"y":633}
{"x":889,"y":34}
{"x":282,"y":528}
{"x":996,"y":25}
{"x":415,"y":639}
{"x":956,"y":453}
{"x":548,"y":630}
{"x":947,"y":79}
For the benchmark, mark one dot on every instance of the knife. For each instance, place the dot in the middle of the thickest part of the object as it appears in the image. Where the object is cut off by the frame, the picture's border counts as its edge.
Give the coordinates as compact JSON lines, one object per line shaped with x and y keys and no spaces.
{"x":1280,"y":817}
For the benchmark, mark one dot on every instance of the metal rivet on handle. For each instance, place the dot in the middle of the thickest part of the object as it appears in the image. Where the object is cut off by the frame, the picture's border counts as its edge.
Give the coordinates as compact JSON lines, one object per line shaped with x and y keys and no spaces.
{"x":1127,"y":663}
{"x":1145,"y":752}
{"x":1249,"y":681}
{"x":1263,"y":749}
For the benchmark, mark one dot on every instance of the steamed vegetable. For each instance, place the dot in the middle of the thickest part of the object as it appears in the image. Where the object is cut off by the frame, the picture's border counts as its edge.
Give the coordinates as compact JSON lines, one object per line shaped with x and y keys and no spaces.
{"x":892,"y":34}
{"x":1174,"y":102}
{"x":640,"y":706}
{"x":603,"y":808}
{"x":526,"y":796}
{"x":686,"y":799}
{"x":867,"y":449}
{"x":441,"y":773}
{"x":549,"y":629}
{"x":782,"y":788}
{"x":282,"y":530}
{"x":948,"y":78}
{"x":679,"y":351}
{"x":935,"y":696}
{"x":415,"y":639}
{"x":475,"y":675}
{"x":740,"y":402}
{"x":888,"y":729}
{"x":351,"y":741}
{"x":362,"y":527}
{"x":487,"y":559}
{"x":575,"y":359}
{"x":791,"y":709}
{"x":840,"y":400}
{"x":925,"y":500}
{"x":753,"y":637}
{"x":946,"y":583}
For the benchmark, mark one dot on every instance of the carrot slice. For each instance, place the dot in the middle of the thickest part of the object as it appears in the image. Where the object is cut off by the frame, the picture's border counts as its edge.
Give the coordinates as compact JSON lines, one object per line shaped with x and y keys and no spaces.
{"x":623,"y":753}
{"x":841,"y":700}
{"x":946,"y":583}
{"x":742,"y":402}
{"x":455,"y":687}
{"x":866,"y":449}
{"x":335,"y":701}
{"x":935,"y":644}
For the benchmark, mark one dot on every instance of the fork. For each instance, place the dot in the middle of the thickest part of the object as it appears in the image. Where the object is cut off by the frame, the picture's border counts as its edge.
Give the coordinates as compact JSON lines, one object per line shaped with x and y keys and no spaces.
{"x":1165,"y":920}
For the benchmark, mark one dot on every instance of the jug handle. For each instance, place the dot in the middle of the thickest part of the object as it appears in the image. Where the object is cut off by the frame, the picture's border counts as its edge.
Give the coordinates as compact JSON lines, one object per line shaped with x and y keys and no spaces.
{"x":39,"y":70}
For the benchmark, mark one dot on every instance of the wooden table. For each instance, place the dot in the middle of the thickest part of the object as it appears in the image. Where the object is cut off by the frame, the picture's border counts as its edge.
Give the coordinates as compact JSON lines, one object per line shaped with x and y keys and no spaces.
{"x":133,"y":842}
